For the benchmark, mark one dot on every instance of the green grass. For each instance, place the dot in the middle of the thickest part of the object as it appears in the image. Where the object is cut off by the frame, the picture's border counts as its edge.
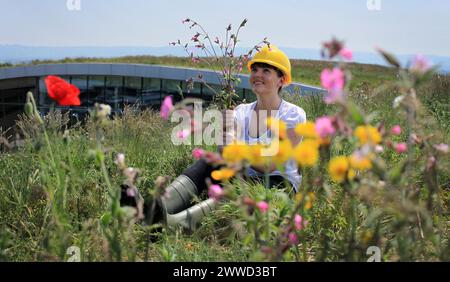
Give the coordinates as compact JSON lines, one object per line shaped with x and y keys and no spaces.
{"x":31,"y":231}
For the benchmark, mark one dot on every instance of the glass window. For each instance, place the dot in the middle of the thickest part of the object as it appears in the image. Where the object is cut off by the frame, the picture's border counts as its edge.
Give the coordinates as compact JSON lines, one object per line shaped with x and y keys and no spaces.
{"x":151,"y":91}
{"x":132,"y":90}
{"x":113,"y":91}
{"x":81,"y":82}
{"x":209,"y":93}
{"x":96,"y":87}
{"x":171,"y":87}
{"x":192,"y":89}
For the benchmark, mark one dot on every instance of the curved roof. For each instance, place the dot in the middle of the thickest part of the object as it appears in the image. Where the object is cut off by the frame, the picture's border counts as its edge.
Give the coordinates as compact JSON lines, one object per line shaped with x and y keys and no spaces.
{"x":139,"y":70}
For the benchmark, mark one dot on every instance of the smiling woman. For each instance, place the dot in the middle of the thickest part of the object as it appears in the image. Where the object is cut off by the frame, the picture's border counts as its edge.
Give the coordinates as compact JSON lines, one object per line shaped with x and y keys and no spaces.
{"x":269,"y":117}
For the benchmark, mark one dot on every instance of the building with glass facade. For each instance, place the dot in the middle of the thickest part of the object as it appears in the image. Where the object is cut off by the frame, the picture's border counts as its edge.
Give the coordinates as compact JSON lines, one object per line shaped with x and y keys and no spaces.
{"x":117,"y":85}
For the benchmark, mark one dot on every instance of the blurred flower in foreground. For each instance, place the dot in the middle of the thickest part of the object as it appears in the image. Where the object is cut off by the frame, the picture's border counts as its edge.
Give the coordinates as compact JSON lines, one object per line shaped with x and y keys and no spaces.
{"x":338,"y":167}
{"x":166,"y":107}
{"x":262,"y":206}
{"x":346,"y":54}
{"x":420,"y":64}
{"x":215,"y":192}
{"x":367,"y":134}
{"x":306,"y":153}
{"x":61,"y":91}
{"x":333,"y":81}
{"x":401,"y":148}
{"x":183,"y":134}
{"x":222,"y":174}
{"x":197,"y":153}
{"x":298,"y":221}
{"x":307,"y":130}
{"x":396,"y":130}
{"x":324,"y":127}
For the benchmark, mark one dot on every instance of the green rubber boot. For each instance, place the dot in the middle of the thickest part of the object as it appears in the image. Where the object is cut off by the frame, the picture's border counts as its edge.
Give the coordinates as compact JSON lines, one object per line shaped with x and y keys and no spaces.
{"x":176,"y":205}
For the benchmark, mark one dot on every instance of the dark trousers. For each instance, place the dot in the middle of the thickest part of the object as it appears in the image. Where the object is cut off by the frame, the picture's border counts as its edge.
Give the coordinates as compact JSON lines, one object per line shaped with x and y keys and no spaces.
{"x":201,"y":170}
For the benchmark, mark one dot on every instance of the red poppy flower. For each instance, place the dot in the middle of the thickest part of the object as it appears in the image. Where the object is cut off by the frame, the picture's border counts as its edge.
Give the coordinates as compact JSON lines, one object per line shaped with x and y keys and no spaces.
{"x":61,"y":91}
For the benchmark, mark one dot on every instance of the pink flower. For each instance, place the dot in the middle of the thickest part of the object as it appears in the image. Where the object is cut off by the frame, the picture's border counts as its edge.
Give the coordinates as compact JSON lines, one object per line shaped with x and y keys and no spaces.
{"x":346,"y":54}
{"x":131,"y":191}
{"x":379,"y":149}
{"x":183,"y":134}
{"x":324,"y":127}
{"x":401,"y":148}
{"x":166,"y":107}
{"x":197,"y":153}
{"x":396,"y":130}
{"x":263,"y":206}
{"x":420,"y":64}
{"x":298,"y":220}
{"x":443,"y":148}
{"x":293,"y":239}
{"x":333,"y":81}
{"x":215,"y":192}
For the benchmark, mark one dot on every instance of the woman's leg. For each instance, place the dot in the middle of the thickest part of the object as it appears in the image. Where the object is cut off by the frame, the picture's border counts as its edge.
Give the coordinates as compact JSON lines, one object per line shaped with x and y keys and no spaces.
{"x":180,"y":193}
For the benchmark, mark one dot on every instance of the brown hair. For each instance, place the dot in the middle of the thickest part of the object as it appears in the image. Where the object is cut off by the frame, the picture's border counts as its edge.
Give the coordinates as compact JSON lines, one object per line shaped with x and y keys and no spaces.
{"x":264,"y":65}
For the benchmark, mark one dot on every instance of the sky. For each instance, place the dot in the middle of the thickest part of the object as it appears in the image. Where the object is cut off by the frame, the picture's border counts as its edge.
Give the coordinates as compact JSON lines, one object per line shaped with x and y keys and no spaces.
{"x":400,"y":26}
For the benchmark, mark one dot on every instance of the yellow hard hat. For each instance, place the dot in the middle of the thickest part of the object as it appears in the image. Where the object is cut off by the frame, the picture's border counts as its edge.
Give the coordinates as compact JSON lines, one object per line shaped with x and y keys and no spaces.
{"x":274,"y":57}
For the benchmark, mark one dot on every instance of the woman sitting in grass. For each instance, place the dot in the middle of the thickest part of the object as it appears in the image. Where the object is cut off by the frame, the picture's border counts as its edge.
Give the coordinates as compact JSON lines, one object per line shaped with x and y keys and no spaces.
{"x":270,"y":71}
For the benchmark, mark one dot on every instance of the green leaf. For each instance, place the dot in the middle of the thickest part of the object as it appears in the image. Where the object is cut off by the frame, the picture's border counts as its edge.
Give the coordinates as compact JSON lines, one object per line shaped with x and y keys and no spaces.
{"x":355,"y":113}
{"x":396,"y":172}
{"x":105,"y":219}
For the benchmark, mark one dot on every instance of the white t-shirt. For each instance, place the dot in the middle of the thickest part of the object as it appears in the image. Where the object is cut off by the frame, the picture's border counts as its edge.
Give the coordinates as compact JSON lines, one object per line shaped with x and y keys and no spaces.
{"x":290,"y":114}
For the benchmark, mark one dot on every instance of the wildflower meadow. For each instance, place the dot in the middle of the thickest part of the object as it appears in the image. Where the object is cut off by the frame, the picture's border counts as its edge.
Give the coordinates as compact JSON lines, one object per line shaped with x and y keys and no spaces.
{"x":373,"y":159}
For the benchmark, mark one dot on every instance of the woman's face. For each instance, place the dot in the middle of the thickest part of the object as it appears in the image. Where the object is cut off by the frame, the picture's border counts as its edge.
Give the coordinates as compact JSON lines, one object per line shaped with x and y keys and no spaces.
{"x":265,"y":80}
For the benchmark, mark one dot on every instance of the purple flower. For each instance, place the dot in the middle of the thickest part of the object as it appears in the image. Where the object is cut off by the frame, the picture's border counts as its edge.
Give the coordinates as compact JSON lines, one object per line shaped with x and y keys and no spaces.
{"x":420,"y":64}
{"x":166,"y":107}
{"x":324,"y":127}
{"x":293,"y":239}
{"x":333,"y":81}
{"x":215,"y":192}
{"x":298,"y":220}
{"x":443,"y":148}
{"x":401,"y":148}
{"x":183,"y":134}
{"x":346,"y":54}
{"x":263,"y":206}
{"x":197,"y":153}
{"x":396,"y":130}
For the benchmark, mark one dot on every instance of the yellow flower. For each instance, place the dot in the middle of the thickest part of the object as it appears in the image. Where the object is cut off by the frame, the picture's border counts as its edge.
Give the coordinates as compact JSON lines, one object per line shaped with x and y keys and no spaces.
{"x":351,"y":174}
{"x":360,"y":162}
{"x":283,"y":153}
{"x":277,"y":127}
{"x":222,"y":174}
{"x":234,"y":152}
{"x":367,"y":134}
{"x":306,"y":153}
{"x":310,"y":197}
{"x":309,"y":200}
{"x":324,"y":141}
{"x":338,"y":168}
{"x":307,"y":130}
{"x":298,"y":197}
{"x":254,"y":155}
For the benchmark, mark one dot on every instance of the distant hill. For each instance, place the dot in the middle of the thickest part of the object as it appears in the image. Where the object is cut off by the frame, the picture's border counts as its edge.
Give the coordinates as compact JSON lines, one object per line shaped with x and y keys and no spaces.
{"x":23,"y":54}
